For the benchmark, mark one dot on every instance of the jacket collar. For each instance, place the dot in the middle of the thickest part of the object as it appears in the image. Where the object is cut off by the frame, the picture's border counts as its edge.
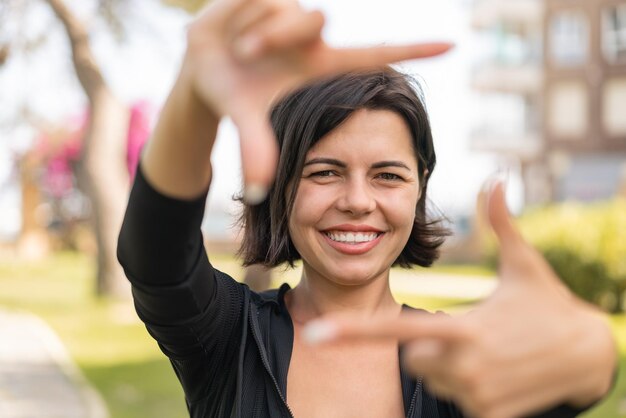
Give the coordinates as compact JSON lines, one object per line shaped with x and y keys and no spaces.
{"x":412,"y":392}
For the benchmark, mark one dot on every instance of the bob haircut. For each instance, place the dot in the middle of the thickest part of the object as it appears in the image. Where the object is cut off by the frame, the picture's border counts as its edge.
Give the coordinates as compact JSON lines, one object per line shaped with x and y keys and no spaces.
{"x":305,"y":116}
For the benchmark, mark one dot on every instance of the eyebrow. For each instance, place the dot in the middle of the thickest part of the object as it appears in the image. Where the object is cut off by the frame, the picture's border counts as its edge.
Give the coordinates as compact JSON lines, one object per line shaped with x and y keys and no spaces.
{"x":329,"y":161}
{"x":383,"y":164}
{"x":338,"y":163}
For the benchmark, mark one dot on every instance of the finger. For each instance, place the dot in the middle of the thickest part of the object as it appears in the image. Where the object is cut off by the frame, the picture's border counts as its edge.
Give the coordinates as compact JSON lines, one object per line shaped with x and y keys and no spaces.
{"x":440,"y":387}
{"x":350,"y":59}
{"x":499,"y":217}
{"x":493,"y":209}
{"x":518,"y":259}
{"x":259,"y":154}
{"x":532,"y":384}
{"x":423,"y":357}
{"x":252,"y":14}
{"x":214,"y":17}
{"x":221,"y":11}
{"x":285,"y":31}
{"x":530,"y":403}
{"x":403,"y":328}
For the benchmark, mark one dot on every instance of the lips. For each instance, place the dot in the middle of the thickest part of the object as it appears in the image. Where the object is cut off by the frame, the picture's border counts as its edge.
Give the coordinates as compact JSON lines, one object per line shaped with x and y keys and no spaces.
{"x":352,"y":239}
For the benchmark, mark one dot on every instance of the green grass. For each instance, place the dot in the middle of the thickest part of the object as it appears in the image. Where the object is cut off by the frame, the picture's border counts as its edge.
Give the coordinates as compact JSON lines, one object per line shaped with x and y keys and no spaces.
{"x":105,"y":338}
{"x":117,"y":355}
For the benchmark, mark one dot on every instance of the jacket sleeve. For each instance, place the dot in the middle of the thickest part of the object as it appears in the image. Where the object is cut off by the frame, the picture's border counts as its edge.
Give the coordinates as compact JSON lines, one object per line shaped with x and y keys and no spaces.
{"x":191,"y":310}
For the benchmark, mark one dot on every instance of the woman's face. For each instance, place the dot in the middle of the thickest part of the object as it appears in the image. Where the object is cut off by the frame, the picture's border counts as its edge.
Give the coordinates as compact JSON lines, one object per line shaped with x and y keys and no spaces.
{"x":355,"y":205}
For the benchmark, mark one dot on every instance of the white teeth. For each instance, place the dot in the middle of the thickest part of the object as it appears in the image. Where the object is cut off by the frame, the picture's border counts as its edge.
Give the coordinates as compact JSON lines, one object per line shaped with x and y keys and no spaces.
{"x":352,"y":238}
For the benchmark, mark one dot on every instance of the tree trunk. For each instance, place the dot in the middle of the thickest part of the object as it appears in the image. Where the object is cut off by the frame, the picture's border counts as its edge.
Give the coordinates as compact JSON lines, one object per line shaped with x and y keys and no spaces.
{"x":102,"y":172}
{"x":33,"y":242}
{"x":104,"y":177}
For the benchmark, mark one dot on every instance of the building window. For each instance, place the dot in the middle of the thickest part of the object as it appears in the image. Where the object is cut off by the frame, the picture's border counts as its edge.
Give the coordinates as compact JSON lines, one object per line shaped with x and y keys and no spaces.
{"x":568,"y":110}
{"x":614,"y":33}
{"x":569,"y":38}
{"x":613,"y":105}
{"x":517,"y":45}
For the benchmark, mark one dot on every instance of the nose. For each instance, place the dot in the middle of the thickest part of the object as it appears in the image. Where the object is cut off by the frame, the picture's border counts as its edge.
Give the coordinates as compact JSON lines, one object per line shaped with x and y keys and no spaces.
{"x":356,"y":197}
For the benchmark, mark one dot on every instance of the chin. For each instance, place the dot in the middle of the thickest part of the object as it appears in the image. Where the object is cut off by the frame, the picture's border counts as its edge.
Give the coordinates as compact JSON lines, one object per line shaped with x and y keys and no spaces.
{"x":347,"y":276}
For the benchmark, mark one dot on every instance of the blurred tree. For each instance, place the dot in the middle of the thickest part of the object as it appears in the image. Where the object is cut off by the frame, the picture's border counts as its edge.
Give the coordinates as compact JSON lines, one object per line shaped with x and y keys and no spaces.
{"x":102,"y":172}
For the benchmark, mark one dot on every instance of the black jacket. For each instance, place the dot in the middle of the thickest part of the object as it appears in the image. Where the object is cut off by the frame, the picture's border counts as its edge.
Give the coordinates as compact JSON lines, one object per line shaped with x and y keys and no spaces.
{"x":230,"y":347}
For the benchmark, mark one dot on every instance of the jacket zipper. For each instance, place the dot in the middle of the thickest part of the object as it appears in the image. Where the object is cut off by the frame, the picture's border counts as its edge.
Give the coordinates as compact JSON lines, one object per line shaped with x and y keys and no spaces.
{"x":418,"y":389}
{"x":266,"y":364}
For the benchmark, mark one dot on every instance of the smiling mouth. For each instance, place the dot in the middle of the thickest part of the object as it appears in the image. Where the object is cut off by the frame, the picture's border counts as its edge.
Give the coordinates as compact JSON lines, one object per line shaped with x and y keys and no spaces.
{"x":352,"y":237}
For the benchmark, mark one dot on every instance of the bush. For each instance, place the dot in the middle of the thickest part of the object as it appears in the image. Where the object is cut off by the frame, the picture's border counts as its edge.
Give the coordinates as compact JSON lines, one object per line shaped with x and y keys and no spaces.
{"x":586,"y":246}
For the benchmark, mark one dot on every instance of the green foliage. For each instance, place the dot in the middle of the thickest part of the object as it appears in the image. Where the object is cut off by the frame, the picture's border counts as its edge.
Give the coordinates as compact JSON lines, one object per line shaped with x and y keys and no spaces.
{"x":586,"y":246}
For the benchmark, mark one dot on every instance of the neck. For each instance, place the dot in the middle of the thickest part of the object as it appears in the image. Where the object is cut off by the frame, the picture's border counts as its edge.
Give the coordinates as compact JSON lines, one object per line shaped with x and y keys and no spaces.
{"x":317,"y":296}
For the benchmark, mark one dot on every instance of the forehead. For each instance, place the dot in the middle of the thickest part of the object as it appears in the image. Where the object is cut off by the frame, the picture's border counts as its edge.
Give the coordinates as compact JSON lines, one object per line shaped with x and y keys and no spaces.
{"x":367,"y":134}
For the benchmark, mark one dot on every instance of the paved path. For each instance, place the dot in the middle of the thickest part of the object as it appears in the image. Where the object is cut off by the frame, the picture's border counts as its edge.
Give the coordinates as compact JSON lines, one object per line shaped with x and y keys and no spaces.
{"x":37,"y":377}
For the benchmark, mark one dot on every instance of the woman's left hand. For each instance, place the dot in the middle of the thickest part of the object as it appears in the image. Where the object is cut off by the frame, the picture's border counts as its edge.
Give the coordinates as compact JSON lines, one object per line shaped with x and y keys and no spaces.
{"x":529,"y":346}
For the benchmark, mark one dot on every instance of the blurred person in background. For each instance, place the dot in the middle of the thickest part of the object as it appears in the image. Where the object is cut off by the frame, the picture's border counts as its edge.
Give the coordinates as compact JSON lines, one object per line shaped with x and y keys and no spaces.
{"x":354,"y":155}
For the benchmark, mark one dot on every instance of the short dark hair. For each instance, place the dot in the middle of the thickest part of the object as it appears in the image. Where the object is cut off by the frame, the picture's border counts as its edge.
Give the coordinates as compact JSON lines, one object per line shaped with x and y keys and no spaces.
{"x":303,"y":118}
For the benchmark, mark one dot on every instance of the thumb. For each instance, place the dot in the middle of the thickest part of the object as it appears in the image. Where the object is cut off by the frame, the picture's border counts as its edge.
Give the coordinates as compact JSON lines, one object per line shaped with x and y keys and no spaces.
{"x":511,"y":249}
{"x":499,"y":217}
{"x":517,"y":258}
{"x":259,"y":153}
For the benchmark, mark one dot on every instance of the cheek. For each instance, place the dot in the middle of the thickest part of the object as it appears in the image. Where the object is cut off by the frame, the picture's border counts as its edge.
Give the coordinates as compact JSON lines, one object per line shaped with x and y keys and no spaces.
{"x":307,"y":210}
{"x":400,"y":208}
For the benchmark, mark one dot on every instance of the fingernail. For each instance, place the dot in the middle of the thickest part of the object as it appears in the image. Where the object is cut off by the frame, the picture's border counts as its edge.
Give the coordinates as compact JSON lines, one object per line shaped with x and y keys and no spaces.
{"x":317,"y":332}
{"x":500,"y":176}
{"x":248,"y":46}
{"x":254,"y":194}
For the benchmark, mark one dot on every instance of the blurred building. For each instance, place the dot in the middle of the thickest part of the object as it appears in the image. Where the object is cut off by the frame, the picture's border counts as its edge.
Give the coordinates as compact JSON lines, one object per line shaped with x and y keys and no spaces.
{"x":551,"y":87}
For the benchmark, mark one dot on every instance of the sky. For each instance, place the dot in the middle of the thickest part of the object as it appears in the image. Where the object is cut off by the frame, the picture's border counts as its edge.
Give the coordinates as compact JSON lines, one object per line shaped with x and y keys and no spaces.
{"x":145,"y":67}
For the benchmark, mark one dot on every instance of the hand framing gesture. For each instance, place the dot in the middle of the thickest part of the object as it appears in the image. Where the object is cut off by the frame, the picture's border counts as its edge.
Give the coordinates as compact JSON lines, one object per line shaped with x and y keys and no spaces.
{"x":530,"y":345}
{"x":243,"y":54}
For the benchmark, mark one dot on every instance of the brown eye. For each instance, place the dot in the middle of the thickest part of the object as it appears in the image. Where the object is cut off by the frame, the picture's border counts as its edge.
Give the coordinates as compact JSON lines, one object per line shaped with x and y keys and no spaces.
{"x":323,"y":173}
{"x":389,"y":176}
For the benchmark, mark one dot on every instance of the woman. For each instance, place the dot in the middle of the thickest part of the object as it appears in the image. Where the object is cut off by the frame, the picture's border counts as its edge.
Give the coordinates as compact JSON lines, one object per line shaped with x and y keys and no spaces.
{"x":349,"y":199}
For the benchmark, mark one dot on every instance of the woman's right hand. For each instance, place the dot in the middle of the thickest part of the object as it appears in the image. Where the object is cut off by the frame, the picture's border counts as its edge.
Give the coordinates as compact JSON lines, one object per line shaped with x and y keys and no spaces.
{"x":244,"y":54}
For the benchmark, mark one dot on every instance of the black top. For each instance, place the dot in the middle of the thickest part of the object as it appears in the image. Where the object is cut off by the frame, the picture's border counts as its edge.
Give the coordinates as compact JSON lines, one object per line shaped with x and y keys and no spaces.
{"x":230,"y":347}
